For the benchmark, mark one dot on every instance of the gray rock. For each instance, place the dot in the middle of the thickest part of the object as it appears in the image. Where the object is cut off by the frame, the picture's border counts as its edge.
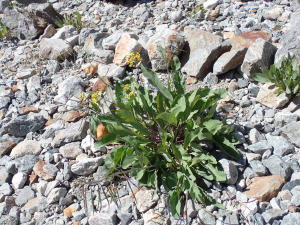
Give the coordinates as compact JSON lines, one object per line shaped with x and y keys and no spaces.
{"x":24,"y":196}
{"x":255,"y":136}
{"x":206,"y":218}
{"x":51,"y":129}
{"x":229,"y":60}
{"x":53,"y":66}
{"x":50,"y":169}
{"x":5,"y":177}
{"x":111,"y":70}
{"x":203,"y":49}
{"x":290,"y":185}
{"x":105,"y":56}
{"x":142,"y":13}
{"x":6,"y":189}
{"x":210,"y":4}
{"x":66,"y":32}
{"x":15,"y":212}
{"x":7,"y":219}
{"x":3,"y":5}
{"x":272,"y":13}
{"x":232,"y":219}
{"x":289,"y":42}
{"x":87,"y":166}
{"x":281,"y":146}
{"x":291,"y":219}
{"x":19,"y":180}
{"x":4,"y":102}
{"x":84,"y":34}
{"x":260,"y":147}
{"x":26,"y":163}
{"x":211,"y":79}
{"x":22,"y":125}
{"x":277,"y":166}
{"x":35,"y":205}
{"x":258,"y":168}
{"x":230,"y":171}
{"x":78,"y":215}
{"x":50,"y":186}
{"x":71,"y":150}
{"x":273,"y":214}
{"x":27,"y":147}
{"x":176,"y":15}
{"x":107,"y":216}
{"x":74,"y":132}
{"x":67,"y":171}
{"x":111,"y":42}
{"x":94,"y":41}
{"x":285,"y":118}
{"x":292,"y":132}
{"x":56,"y":194}
{"x":259,"y":55}
{"x":249,"y":173}
{"x":51,"y":48}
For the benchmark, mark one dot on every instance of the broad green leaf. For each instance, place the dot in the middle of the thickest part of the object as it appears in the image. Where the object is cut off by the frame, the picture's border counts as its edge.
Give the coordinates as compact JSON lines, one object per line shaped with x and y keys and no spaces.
{"x":203,"y":173}
{"x":197,"y":148}
{"x":181,"y":153}
{"x":129,"y":159}
{"x":178,"y":105}
{"x":204,"y":134}
{"x":176,"y":151}
{"x":140,"y":174}
{"x":154,"y":80}
{"x":187,"y":171}
{"x":168,"y":117}
{"x":106,"y":140}
{"x":175,"y":63}
{"x":175,"y":204}
{"x":179,"y":83}
{"x":213,"y":126}
{"x":260,"y":77}
{"x":159,"y":102}
{"x":211,"y":112}
{"x":218,"y":174}
{"x":226,"y":146}
{"x":94,"y":123}
{"x":190,"y":137}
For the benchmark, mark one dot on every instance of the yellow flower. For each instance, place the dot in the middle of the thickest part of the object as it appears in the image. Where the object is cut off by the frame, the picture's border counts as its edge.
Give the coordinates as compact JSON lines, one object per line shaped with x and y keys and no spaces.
{"x":95,"y":97}
{"x":81,"y":96}
{"x":130,"y":94}
{"x":133,"y":59}
{"x":126,"y":87}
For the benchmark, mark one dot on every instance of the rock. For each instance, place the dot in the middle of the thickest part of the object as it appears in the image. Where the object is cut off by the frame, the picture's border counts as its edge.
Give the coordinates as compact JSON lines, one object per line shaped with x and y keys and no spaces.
{"x":56,"y":194}
{"x":90,"y":68}
{"x":255,"y":136}
{"x":145,"y":199}
{"x":71,"y":150}
{"x":289,"y":42}
{"x":69,"y":210}
{"x":94,"y":42}
{"x":267,"y":97}
{"x":51,"y":129}
{"x":107,"y":216}
{"x":141,"y":13}
{"x":277,"y":166}
{"x":87,"y":166}
{"x":260,"y":147}
{"x":291,"y":132}
{"x":246,"y":39}
{"x":206,"y":218}
{"x":6,"y":147}
{"x":20,"y":126}
{"x":50,"y":169}
{"x":84,"y":35}
{"x":7,"y":219}
{"x":111,"y":42}
{"x":258,"y":168}
{"x":259,"y":55}
{"x":176,"y":15}
{"x":27,"y":147}
{"x":265,"y":188}
{"x":19,"y":180}
{"x":171,"y":41}
{"x":152,"y":217}
{"x":36,"y":204}
{"x":30,"y":22}
{"x":272,"y":13}
{"x":229,"y":60}
{"x":110,"y":70}
{"x":66,"y":32}
{"x":51,"y":48}
{"x":212,"y":15}
{"x":283,"y":118}
{"x":203,"y":49}
{"x":210,"y":4}
{"x":290,"y":185}
{"x":6,"y":189}
{"x":3,"y":5}
{"x":38,"y":170}
{"x":48,"y":32}
{"x":79,"y":215}
{"x":101,"y":84}
{"x":24,"y":196}
{"x":273,"y":214}
{"x":230,"y":171}
{"x":281,"y":146}
{"x":291,"y":218}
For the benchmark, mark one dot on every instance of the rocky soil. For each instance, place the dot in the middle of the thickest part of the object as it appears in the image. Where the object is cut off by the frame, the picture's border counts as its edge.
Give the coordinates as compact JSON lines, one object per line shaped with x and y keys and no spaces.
{"x":46,"y":148}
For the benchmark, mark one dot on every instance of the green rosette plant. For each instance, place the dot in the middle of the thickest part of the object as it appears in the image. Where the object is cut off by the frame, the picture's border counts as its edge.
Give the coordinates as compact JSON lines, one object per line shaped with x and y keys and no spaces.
{"x":161,"y":135}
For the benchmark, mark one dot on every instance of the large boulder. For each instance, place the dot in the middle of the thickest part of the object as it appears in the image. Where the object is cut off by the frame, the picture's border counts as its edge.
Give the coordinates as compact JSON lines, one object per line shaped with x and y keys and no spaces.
{"x":28,"y":23}
{"x":200,"y":53}
{"x":246,"y":39}
{"x":51,"y":48}
{"x":290,"y":42}
{"x":171,"y":41}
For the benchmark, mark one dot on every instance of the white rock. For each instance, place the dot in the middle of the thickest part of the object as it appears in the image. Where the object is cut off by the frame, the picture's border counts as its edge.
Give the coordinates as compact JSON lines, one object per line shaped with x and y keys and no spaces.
{"x":87,"y":166}
{"x":19,"y":180}
{"x":56,"y":194}
{"x":210,"y":4}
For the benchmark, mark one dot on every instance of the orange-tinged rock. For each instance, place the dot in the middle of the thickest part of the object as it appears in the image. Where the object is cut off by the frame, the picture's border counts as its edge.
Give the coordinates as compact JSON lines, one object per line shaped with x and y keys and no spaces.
{"x":265,"y":188}
{"x":228,"y":35}
{"x":38,"y":170}
{"x":14,"y":88}
{"x":101,"y":131}
{"x":100,"y":85}
{"x":68,"y":211}
{"x":245,"y":40}
{"x":192,"y":80}
{"x":6,"y":147}
{"x":28,"y":110}
{"x":72,"y":116}
{"x":49,"y":122}
{"x":91,"y":68}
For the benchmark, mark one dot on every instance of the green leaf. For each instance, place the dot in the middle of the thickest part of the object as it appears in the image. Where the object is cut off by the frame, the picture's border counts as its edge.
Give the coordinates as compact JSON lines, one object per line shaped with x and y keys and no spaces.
{"x":175,"y":64}
{"x":128,"y":161}
{"x":197,"y":148}
{"x":211,"y":112}
{"x":261,"y":77}
{"x":216,"y":172}
{"x":94,"y":123}
{"x":168,"y":117}
{"x":106,"y":140}
{"x":226,"y":146}
{"x":175,"y":204}
{"x":140,"y":174}
{"x":154,"y":80}
{"x":213,"y":126}
{"x":178,"y":105}
{"x":190,"y":137}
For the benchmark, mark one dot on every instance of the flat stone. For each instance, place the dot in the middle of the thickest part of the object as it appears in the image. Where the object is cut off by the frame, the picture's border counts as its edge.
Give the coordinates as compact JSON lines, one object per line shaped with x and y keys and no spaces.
{"x":56,"y":194}
{"x":6,"y":147}
{"x":25,"y":195}
{"x":87,"y":166}
{"x":145,"y":199}
{"x":255,"y":136}
{"x":267,"y":97}
{"x":260,"y":147}
{"x":51,"y":48}
{"x":277,"y":166}
{"x":27,"y":147}
{"x":265,"y":188}
{"x":38,"y":170}
{"x":71,"y":150}
{"x":36,"y":204}
{"x":285,"y":195}
{"x":246,"y":39}
{"x":273,"y":214}
{"x":280,"y":145}
{"x":50,"y":169}
{"x":292,"y":133}
{"x":230,"y":171}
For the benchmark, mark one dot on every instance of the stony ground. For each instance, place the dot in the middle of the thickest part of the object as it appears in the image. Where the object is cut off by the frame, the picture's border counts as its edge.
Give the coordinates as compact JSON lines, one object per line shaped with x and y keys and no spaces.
{"x":46,"y":148}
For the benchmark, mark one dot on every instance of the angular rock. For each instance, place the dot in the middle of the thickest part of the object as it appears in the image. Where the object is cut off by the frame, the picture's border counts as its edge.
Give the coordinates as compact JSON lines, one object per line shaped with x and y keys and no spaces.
{"x":38,"y":170}
{"x":229,"y":60}
{"x":246,"y":39}
{"x":145,"y":199}
{"x":125,"y":46}
{"x":7,"y":219}
{"x":206,"y":218}
{"x":273,"y":214}
{"x":22,"y":125}
{"x":258,"y":167}
{"x":51,"y":48}
{"x":277,"y":166}
{"x":291,"y":218}
{"x":230,"y":171}
{"x":87,"y":166}
{"x":111,"y":70}
{"x":56,"y":194}
{"x":265,"y":188}
{"x":111,"y":42}
{"x":50,"y":169}
{"x":292,"y":133}
{"x":272,"y":13}
{"x":6,"y":147}
{"x":280,"y":145}
{"x":25,"y":195}
{"x":94,"y":41}
{"x":101,"y":84}
{"x":48,"y":32}
{"x":27,"y":147}
{"x":267,"y":97}
{"x":74,"y":132}
{"x":84,"y":35}
{"x":260,"y":147}
{"x":210,"y":4}
{"x":36,"y":204}
{"x":90,"y":68}
{"x":291,"y":185}
{"x":201,"y":52}
{"x":6,"y":189}
{"x":66,"y":32}
{"x":259,"y":55}
{"x":71,"y":150}
{"x":19,"y":180}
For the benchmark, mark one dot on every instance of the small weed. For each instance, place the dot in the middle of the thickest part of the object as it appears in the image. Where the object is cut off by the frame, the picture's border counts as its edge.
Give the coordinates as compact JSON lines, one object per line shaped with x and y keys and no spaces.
{"x":197,"y":9}
{"x":4,"y":32}
{"x":74,"y":20}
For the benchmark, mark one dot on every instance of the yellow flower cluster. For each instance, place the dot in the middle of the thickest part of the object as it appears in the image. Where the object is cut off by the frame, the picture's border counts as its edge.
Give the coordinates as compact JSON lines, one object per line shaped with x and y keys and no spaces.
{"x":133,"y":59}
{"x":130,"y":94}
{"x":81,"y":96}
{"x":95,"y":97}
{"x":127,"y":88}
